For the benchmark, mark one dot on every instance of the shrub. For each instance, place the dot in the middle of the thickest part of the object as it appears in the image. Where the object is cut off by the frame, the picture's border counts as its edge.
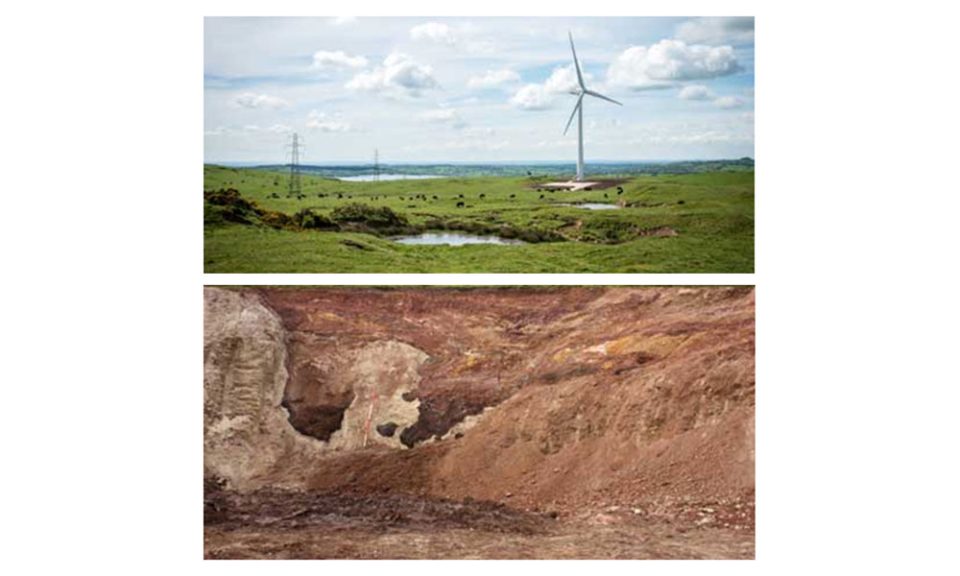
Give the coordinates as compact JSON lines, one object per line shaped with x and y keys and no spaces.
{"x":310,"y":220}
{"x":379,"y":217}
{"x":277,"y":220}
{"x":228,"y":205}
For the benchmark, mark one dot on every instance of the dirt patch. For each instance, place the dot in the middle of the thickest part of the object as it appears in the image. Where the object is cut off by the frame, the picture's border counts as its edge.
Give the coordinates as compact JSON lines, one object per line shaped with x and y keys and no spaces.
{"x":276,"y":524}
{"x":598,"y":184}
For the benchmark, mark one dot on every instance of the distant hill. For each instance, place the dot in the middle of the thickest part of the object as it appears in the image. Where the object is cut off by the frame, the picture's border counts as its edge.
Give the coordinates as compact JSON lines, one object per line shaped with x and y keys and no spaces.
{"x":534,"y":169}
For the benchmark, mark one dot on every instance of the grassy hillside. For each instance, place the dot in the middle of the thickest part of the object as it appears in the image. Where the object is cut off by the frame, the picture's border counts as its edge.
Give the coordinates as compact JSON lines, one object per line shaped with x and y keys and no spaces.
{"x":711,"y":213}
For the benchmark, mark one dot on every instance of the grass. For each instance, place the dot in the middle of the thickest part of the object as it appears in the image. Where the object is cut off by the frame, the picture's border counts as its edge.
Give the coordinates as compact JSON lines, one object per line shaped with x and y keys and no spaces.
{"x":711,"y":212}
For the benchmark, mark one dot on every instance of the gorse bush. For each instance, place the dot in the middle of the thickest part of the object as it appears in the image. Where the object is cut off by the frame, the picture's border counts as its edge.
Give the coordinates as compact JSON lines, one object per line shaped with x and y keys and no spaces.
{"x":226,"y":204}
{"x":369,"y":216}
{"x":308,"y":219}
{"x":278,"y":220}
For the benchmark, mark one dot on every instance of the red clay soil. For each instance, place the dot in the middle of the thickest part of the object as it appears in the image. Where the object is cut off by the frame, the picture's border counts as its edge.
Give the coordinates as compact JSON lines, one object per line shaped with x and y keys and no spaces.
{"x":603,"y":423}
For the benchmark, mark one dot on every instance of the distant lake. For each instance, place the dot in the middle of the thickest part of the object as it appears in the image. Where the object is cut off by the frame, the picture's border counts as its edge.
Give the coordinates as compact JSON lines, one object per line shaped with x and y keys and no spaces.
{"x":371,"y":177}
{"x":453,"y":239}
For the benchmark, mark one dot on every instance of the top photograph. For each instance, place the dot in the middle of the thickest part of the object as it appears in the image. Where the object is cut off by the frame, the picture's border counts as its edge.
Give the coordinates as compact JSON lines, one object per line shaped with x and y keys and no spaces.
{"x":478,"y":145}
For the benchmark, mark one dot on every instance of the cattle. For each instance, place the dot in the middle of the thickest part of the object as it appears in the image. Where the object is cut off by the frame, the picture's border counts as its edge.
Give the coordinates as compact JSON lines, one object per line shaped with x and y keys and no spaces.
{"x":512,"y":196}
{"x":482,"y":196}
{"x":460,"y":204}
{"x":619,"y":190}
{"x":541,"y":196}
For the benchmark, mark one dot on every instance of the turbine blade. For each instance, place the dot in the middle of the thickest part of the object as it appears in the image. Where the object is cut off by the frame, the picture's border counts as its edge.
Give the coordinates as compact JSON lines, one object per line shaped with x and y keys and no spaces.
{"x":574,"y":113}
{"x":601,"y":96}
{"x":576,"y":62}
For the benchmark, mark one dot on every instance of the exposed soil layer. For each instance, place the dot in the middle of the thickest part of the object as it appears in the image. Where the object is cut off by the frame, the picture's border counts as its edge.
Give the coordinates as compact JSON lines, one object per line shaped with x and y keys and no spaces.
{"x":279,"y":524}
{"x":424,"y":422}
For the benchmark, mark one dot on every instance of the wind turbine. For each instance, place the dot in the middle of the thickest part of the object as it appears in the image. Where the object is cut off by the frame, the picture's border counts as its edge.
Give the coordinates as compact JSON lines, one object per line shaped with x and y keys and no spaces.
{"x":578,"y":109}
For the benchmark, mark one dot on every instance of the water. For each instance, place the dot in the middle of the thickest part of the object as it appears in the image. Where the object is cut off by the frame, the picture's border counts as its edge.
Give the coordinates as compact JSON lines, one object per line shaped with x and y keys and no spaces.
{"x":593,"y":206}
{"x":453,"y":239}
{"x":370,"y":177}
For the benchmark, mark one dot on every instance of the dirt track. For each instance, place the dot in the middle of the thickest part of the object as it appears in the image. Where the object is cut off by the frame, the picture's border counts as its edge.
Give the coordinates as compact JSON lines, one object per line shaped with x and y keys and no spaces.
{"x":549,"y":423}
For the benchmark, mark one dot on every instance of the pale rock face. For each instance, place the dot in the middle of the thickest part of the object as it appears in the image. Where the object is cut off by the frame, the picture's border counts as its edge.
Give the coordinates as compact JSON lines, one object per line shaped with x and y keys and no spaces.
{"x":245,"y":430}
{"x":380,"y":374}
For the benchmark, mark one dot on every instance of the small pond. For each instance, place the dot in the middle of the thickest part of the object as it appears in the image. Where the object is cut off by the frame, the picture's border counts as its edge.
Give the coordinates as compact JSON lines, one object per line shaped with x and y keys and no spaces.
{"x":453,"y":239}
{"x":593,"y":206}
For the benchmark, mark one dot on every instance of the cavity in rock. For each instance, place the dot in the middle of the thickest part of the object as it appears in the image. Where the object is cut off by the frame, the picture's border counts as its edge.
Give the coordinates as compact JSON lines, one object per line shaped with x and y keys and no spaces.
{"x":387,"y":429}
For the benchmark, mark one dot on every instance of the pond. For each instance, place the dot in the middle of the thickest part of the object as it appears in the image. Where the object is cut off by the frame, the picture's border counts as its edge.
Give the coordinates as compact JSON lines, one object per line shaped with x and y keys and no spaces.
{"x":384,"y":177}
{"x":594,"y":206}
{"x":453,"y":239}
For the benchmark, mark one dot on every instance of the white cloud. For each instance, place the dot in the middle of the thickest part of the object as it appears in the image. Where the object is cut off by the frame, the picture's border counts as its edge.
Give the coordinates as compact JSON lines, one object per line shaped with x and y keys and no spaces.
{"x":471,"y":143}
{"x":338,"y":59}
{"x":341,"y":20}
{"x":434,"y":32}
{"x":689,"y":135}
{"x":493,"y":78}
{"x":252,"y":100}
{"x":670,"y":61}
{"x":248,"y":128}
{"x":444,"y":116}
{"x":479,"y":131}
{"x":532,"y":97}
{"x":562,"y":80}
{"x":326,"y":123}
{"x":399,"y":75}
{"x":729,"y":102}
{"x":737,"y":30}
{"x":695,"y":92}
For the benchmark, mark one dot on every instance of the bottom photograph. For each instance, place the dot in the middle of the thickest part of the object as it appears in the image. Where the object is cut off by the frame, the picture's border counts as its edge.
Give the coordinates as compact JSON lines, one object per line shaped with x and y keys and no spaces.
{"x":479,"y":422}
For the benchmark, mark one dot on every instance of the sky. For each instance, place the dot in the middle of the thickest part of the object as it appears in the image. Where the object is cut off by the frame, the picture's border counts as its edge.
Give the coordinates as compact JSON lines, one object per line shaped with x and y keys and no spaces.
{"x":476,"y":89}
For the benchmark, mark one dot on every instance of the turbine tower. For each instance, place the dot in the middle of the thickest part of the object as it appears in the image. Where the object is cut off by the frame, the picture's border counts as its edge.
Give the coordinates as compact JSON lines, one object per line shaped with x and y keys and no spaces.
{"x":578,"y":109}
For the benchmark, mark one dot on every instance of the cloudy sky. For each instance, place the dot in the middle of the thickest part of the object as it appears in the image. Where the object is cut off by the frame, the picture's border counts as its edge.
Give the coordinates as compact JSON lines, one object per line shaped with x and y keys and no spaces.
{"x":476,"y":89}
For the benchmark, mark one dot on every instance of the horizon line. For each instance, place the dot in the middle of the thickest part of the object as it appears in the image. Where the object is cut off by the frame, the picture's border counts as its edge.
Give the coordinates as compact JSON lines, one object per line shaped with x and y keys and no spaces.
{"x":251,"y":163}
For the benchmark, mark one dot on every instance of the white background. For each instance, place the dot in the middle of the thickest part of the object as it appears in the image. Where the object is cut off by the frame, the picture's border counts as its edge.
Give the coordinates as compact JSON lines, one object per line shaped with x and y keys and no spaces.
{"x":857,"y":316}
